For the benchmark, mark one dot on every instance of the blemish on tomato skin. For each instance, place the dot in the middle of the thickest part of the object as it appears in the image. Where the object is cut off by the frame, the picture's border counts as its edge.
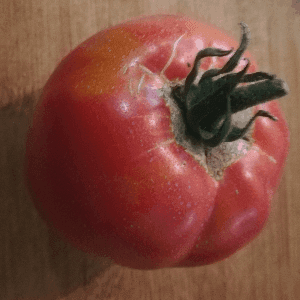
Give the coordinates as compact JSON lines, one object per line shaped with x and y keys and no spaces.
{"x":259,"y":150}
{"x":272,"y":159}
{"x":244,"y":222}
{"x":125,"y":68}
{"x":140,"y":83}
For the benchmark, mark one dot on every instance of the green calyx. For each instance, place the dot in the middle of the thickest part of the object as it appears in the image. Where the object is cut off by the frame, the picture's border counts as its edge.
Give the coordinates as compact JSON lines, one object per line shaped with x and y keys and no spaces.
{"x":207,"y":105}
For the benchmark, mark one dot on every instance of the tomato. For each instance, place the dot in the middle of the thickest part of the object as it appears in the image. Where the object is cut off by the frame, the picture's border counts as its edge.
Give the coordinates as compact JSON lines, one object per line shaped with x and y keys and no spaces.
{"x":138,"y":154}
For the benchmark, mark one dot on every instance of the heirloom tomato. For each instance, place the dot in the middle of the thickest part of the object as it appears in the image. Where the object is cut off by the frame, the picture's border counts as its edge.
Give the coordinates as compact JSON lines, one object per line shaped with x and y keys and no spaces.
{"x":155,"y":143}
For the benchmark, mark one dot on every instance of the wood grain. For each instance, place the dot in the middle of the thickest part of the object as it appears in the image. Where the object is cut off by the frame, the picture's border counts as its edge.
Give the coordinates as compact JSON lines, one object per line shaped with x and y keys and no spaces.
{"x":34,"y":263}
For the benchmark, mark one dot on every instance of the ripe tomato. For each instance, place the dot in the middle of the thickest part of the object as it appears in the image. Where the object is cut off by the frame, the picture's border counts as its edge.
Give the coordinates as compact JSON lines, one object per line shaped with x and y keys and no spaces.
{"x":129,"y":160}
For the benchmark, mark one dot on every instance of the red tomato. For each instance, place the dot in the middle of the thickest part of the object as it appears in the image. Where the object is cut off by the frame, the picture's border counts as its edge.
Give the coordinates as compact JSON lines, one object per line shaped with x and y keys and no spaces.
{"x":110,"y":168}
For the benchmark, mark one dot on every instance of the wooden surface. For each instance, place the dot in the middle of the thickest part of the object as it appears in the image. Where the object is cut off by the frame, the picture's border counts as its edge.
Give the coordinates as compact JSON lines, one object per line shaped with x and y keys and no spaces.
{"x":34,"y":263}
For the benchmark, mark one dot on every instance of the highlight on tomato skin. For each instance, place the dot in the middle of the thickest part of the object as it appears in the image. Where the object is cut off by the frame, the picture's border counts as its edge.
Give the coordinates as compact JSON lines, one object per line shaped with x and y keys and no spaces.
{"x":158,"y":143}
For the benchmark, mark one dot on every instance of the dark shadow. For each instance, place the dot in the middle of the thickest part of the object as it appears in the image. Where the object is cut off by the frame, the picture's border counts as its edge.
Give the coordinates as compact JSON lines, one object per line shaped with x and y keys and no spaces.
{"x":34,"y":261}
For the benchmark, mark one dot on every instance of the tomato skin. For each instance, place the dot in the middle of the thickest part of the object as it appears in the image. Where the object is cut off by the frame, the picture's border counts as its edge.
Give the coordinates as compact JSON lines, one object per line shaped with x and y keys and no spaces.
{"x":105,"y":170}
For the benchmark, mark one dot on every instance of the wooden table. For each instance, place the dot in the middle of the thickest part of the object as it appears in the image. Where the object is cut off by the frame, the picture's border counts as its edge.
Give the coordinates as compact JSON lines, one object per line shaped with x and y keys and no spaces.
{"x":34,"y":263}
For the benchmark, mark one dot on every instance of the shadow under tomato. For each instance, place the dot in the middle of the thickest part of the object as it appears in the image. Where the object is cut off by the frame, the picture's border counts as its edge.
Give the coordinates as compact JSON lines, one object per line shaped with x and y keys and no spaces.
{"x":35,"y":261}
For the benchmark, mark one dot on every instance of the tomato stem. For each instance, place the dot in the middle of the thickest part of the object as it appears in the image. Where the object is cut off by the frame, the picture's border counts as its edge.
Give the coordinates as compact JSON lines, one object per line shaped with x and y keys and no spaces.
{"x":207,"y":106}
